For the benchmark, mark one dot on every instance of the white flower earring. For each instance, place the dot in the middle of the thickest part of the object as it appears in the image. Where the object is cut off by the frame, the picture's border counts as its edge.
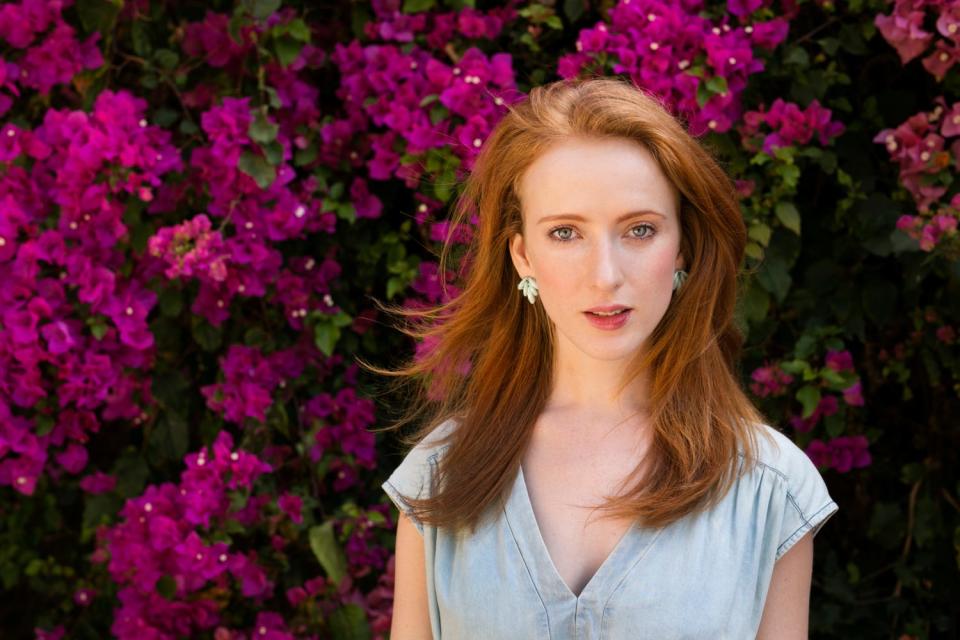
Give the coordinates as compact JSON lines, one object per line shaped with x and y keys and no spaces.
{"x":679,"y":276}
{"x":529,"y":288}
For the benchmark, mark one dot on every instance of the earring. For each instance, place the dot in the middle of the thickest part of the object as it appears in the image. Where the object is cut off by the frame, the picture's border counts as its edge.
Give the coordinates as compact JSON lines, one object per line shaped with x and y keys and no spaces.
{"x":679,"y":276}
{"x":529,"y":288}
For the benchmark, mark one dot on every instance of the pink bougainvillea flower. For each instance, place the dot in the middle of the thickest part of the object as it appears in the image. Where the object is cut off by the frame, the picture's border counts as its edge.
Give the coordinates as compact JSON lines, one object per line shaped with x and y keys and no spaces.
{"x":903,"y":29}
{"x":853,"y":395}
{"x":942,"y":59}
{"x":839,"y":360}
{"x":98,"y":482}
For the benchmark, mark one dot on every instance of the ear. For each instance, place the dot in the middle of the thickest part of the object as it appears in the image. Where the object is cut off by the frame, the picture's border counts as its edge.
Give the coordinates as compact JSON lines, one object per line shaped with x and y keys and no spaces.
{"x":680,"y":262}
{"x":518,"y":254}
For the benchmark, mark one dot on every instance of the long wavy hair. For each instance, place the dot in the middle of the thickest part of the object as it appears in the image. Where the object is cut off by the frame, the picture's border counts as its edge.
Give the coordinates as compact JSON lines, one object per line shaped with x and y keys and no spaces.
{"x":487,"y":354}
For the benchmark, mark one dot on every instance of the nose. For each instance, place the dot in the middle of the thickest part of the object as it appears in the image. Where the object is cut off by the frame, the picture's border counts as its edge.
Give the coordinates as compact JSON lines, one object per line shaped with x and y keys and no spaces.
{"x":607,"y":266}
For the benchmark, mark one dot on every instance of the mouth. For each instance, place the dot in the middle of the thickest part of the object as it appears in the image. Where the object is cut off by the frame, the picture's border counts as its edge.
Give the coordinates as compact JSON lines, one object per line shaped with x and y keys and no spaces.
{"x":607,"y":313}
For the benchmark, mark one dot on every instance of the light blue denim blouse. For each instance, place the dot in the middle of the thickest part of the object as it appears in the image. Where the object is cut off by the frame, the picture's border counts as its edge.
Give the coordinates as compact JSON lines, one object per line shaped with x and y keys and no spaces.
{"x":704,"y":576}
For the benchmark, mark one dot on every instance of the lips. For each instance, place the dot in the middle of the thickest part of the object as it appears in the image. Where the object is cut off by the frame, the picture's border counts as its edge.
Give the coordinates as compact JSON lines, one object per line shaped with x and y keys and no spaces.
{"x":607,"y":308}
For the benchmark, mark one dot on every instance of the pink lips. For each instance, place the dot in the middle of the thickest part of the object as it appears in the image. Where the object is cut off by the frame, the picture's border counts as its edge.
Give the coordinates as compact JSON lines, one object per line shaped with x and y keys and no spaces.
{"x":609,"y":322}
{"x":608,"y":308}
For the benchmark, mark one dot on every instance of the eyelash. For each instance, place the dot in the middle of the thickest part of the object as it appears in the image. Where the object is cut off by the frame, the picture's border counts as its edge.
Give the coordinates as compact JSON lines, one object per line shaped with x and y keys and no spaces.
{"x":653,"y":231}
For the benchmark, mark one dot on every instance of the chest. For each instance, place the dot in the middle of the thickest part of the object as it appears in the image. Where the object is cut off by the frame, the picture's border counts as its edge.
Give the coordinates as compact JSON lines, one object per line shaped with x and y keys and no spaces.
{"x":566,"y":476}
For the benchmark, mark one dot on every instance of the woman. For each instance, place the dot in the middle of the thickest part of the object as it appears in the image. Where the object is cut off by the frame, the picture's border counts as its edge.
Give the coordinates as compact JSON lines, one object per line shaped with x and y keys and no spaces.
{"x":580,"y":369}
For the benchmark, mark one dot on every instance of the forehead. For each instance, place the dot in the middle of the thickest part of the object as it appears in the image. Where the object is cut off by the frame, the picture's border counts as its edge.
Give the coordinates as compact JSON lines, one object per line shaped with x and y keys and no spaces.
{"x":596,"y":178}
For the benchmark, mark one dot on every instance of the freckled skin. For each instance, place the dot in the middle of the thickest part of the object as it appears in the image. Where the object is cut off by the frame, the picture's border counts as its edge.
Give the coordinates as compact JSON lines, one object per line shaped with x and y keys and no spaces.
{"x":602,"y":261}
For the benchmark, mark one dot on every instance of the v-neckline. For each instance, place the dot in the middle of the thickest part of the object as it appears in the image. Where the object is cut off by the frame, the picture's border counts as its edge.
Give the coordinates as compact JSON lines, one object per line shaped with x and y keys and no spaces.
{"x":625,"y":554}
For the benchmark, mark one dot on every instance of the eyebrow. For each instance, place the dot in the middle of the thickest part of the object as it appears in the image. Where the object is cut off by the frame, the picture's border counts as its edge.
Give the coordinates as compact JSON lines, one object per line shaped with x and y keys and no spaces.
{"x":576,"y":216}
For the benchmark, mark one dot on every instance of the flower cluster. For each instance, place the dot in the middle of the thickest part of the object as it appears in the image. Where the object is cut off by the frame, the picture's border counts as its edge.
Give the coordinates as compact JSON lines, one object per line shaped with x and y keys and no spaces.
{"x":698,"y":66}
{"x":839,"y":374}
{"x":842,"y":453}
{"x":930,"y":231}
{"x":438,"y":28}
{"x":249,"y":381}
{"x":788,"y":125}
{"x":342,"y":422}
{"x":421,"y":102}
{"x":769,"y":380}
{"x":49,"y":51}
{"x":164,"y":562}
{"x":919,"y":146}
{"x":85,"y":167}
{"x":903,"y":29}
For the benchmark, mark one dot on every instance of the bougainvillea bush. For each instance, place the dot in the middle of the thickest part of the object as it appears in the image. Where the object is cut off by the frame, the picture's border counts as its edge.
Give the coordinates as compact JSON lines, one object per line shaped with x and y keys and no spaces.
{"x":199,"y":203}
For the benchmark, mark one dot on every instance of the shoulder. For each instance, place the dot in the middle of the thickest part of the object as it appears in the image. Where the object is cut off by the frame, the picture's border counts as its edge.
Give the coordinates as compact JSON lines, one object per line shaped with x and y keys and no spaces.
{"x":777,"y":453}
{"x":436,"y":441}
{"x":787,"y":475}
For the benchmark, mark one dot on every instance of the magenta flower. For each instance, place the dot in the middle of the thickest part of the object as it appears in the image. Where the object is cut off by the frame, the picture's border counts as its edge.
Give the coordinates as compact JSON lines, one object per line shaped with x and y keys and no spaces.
{"x":839,"y":360}
{"x":942,"y":59}
{"x":291,"y":505}
{"x":98,"y":482}
{"x":83,"y":597}
{"x":850,"y":452}
{"x":903,"y":30}
{"x":853,"y":395}
{"x":769,"y":380}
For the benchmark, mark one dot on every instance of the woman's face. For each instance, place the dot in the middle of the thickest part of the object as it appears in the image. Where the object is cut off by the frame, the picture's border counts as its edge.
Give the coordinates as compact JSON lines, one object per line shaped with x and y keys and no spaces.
{"x":601,"y":227}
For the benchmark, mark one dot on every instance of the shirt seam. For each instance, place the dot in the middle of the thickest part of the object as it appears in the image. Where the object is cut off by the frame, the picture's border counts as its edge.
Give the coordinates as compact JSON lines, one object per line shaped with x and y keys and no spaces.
{"x":526,"y":566}
{"x":803,"y":528}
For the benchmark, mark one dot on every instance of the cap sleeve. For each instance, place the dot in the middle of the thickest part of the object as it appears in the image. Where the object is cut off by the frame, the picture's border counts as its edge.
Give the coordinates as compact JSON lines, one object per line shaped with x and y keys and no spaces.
{"x":413,"y":476}
{"x":808,"y":503}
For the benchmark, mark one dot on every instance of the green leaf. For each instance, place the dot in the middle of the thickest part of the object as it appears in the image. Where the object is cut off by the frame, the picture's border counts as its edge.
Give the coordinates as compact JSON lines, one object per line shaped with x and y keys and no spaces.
{"x":325,"y":337}
{"x":171,"y":302}
{"x":755,"y":304}
{"x":349,"y":622}
{"x":303,"y":157}
{"x":829,"y":45}
{"x":775,"y":278}
{"x":167,"y":587}
{"x":44,"y":424}
{"x":573,"y":9}
{"x":257,"y":168}
{"x":169,"y":438}
{"x":97,"y":510}
{"x":99,"y":15}
{"x":754,"y":250}
{"x":717,"y":84}
{"x":788,"y":216}
{"x":262,"y":9}
{"x":273,"y":97}
{"x":287,"y":49}
{"x":274,"y":153}
{"x":131,"y":472}
{"x":98,"y":327}
{"x":795,"y":367}
{"x":760,"y":232}
{"x":703,"y":94}
{"x":166,"y":59}
{"x":299,"y":30}
{"x":140,"y":37}
{"x":797,"y":56}
{"x":206,"y":335}
{"x":835,"y":425}
{"x":417,"y":6}
{"x":809,"y":397}
{"x":261,"y":130}
{"x":327,"y":550}
{"x":347,"y":211}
